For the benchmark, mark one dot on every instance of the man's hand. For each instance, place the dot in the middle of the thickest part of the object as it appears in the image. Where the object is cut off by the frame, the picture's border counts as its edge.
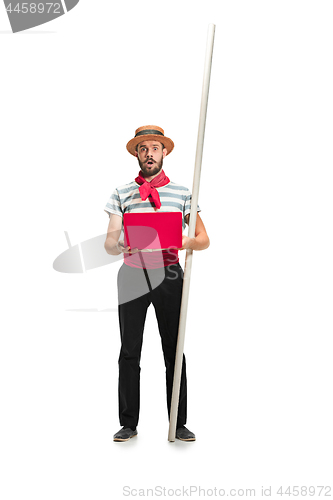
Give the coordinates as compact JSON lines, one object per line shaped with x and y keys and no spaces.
{"x":120,"y":247}
{"x":187,"y":242}
{"x":201,"y":240}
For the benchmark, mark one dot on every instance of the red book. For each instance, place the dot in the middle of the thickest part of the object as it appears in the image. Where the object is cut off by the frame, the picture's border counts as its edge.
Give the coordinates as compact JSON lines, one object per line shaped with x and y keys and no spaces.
{"x":153,"y":230}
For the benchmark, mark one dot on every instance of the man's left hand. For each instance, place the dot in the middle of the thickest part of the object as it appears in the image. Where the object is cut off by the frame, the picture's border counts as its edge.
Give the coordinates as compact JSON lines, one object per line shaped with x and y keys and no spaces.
{"x":186,"y":243}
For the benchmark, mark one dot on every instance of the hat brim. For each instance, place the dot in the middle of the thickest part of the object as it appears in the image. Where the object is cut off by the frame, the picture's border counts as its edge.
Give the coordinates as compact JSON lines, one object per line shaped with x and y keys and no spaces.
{"x":132,"y":144}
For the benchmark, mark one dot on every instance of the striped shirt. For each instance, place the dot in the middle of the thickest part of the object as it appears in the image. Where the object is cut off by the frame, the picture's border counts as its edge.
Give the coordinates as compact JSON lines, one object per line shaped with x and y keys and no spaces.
{"x":173,"y":197}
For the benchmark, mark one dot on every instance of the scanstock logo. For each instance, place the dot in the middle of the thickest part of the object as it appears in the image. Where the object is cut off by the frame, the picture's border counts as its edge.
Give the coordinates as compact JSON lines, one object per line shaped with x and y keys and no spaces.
{"x":25,"y":15}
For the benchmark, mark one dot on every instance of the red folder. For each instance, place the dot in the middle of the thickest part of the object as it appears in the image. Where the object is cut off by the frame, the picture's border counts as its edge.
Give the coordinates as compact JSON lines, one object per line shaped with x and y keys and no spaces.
{"x":153,"y":230}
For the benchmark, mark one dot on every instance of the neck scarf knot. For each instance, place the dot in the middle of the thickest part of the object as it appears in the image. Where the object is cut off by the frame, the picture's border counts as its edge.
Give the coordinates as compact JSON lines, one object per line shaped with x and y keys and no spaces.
{"x":149,"y":188}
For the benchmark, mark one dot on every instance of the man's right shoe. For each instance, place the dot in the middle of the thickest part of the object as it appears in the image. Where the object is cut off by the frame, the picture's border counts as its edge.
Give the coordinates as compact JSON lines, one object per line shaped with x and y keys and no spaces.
{"x":125,"y":434}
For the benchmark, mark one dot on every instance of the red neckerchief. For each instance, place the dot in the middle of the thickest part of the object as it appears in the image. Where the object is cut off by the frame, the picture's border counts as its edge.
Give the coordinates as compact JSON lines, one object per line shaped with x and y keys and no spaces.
{"x":149,"y":188}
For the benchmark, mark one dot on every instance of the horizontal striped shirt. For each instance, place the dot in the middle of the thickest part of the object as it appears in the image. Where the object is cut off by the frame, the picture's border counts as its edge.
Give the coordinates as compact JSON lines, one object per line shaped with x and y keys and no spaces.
{"x":174,"y":198}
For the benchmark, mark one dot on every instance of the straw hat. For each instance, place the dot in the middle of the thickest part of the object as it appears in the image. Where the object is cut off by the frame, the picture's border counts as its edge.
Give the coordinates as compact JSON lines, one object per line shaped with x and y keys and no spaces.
{"x":149,"y":133}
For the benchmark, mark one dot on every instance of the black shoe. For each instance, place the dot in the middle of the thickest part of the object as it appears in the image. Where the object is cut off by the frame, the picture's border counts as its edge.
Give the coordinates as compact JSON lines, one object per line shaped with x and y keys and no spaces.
{"x":125,"y":434}
{"x":184,"y":434}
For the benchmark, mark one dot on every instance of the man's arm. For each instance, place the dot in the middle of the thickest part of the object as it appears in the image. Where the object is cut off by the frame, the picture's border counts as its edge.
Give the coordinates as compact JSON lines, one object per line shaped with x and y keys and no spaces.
{"x":201,"y":240}
{"x":112,"y":244}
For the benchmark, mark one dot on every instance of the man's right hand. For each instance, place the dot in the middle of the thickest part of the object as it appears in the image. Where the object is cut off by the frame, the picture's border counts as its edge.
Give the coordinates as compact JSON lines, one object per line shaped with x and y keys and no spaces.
{"x":121,"y":248}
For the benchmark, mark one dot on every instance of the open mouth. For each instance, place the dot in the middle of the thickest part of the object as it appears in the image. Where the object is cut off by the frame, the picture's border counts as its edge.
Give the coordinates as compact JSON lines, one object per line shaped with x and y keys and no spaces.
{"x":150,"y":162}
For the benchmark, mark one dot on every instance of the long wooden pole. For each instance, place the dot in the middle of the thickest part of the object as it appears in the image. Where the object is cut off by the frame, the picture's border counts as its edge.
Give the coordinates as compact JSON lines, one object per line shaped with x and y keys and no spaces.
{"x":191,"y":234}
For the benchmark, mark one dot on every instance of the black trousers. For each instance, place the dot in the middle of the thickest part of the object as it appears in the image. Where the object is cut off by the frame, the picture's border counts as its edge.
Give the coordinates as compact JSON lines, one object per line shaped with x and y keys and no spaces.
{"x":137,"y":289}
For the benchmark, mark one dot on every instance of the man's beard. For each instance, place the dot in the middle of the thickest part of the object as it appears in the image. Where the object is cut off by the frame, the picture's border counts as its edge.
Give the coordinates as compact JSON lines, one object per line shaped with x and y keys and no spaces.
{"x":152,"y":171}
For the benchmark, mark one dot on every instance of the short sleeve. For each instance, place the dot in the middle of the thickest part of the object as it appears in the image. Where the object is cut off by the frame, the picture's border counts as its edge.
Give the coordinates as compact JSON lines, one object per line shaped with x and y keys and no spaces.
{"x":113,"y":206}
{"x":187,"y":206}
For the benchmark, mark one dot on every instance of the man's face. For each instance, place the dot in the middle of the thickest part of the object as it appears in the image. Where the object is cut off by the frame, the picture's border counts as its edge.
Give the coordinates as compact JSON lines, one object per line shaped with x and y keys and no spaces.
{"x":150,"y":155}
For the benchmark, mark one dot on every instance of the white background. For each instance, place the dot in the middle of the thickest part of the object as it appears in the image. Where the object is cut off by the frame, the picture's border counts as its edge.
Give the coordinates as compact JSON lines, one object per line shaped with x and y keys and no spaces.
{"x":258,"y":339}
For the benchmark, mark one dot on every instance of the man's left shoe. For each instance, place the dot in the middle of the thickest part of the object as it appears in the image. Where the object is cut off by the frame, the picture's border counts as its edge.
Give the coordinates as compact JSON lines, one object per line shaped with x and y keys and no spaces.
{"x":184,"y":434}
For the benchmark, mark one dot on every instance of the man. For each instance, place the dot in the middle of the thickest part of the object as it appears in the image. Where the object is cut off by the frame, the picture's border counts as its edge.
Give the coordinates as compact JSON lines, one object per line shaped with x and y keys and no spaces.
{"x":147,"y":278}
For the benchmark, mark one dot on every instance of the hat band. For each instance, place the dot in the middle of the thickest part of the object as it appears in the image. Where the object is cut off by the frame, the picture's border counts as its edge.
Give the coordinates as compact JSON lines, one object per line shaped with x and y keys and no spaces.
{"x":149,"y":132}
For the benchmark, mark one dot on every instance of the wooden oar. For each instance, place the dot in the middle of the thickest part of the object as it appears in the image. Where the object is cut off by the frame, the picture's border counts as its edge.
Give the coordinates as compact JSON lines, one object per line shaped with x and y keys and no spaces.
{"x":191,"y":234}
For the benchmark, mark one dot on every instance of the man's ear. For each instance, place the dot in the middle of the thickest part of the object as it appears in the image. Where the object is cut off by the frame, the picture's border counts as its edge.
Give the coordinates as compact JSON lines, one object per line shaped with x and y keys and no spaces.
{"x":136,"y":153}
{"x":164,"y":152}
